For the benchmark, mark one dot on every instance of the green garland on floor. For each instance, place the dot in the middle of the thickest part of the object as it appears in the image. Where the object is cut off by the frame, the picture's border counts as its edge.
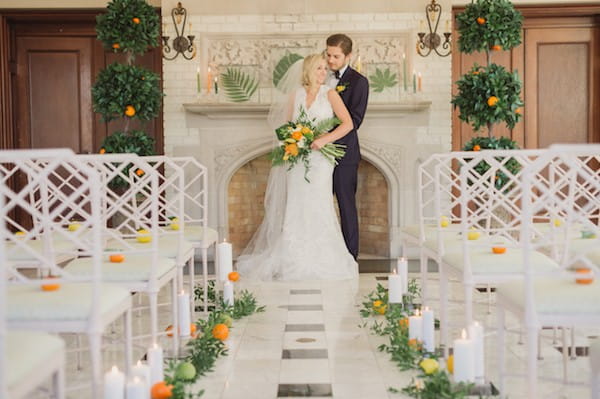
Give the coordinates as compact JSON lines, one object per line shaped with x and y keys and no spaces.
{"x":408,"y":354}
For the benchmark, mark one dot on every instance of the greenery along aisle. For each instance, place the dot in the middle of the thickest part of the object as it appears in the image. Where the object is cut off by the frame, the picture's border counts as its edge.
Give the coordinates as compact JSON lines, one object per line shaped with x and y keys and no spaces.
{"x":432,"y":382}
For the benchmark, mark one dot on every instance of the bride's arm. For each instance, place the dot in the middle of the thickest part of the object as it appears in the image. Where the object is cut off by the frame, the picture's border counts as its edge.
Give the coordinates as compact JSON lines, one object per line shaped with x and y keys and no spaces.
{"x":340,"y":110}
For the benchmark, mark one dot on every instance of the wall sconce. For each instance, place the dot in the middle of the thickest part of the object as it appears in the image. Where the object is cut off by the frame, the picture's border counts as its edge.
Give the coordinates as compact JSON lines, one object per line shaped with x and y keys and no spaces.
{"x":181,"y":43}
{"x":432,"y":40}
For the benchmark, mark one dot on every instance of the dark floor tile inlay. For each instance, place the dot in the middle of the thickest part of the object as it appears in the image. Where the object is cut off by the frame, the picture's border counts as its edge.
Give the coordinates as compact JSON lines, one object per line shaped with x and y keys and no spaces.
{"x":580,"y":351}
{"x":484,"y":289}
{"x":304,"y":327}
{"x":304,"y":307}
{"x":304,"y":354}
{"x":381,"y":278}
{"x":305,"y":292}
{"x":304,"y":390}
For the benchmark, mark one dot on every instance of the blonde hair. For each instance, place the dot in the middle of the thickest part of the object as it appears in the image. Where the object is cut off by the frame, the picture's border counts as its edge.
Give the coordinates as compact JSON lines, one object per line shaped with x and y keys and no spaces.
{"x":309,"y":66}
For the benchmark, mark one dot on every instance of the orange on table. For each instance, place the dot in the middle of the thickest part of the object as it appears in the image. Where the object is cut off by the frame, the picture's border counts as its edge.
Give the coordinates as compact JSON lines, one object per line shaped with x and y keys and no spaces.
{"x":116,"y":258}
{"x":584,"y":280}
{"x":161,"y":390}
{"x":498,"y":250}
{"x":50,"y":286}
{"x":233,"y":276}
{"x":220,"y":332}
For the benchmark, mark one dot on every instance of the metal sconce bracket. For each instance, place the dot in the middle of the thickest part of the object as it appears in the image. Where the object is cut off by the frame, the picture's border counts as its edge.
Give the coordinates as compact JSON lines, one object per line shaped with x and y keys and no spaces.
{"x":432,"y":40}
{"x":181,"y":44}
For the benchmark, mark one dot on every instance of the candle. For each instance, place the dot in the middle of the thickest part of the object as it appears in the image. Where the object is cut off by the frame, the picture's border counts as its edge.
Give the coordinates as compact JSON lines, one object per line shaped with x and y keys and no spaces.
{"x":395,"y":288}
{"x":428,"y":330}
{"x":155,"y":361}
{"x":225,"y":259}
{"x":414,"y":81}
{"x":216,"y":85}
{"x":184,"y":320}
{"x":142,"y":371}
{"x":415,"y":327}
{"x":419,"y":82}
{"x":114,"y":384}
{"x":464,"y":370}
{"x":228,"y":293}
{"x":476,"y":335}
{"x":136,"y":389}
{"x":402,"y":266}
{"x":447,"y":25}
{"x":198,"y":87}
{"x":208,"y":81}
{"x":404,"y":71}
{"x":421,"y":25}
{"x":358,"y":65}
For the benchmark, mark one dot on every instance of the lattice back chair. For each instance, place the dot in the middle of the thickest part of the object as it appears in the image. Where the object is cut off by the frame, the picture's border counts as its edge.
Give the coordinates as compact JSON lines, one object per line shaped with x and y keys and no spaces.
{"x":135,"y":235}
{"x":565,"y":183}
{"x":68,"y":303}
{"x":196,"y":230}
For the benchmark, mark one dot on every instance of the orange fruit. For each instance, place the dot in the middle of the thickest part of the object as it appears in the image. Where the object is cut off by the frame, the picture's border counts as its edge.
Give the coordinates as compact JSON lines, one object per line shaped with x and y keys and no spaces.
{"x":496,"y":47}
{"x":233,"y":276}
{"x":220,"y":332}
{"x":481,"y":20}
{"x":116,"y":46}
{"x":403,"y":323}
{"x":139,"y":172}
{"x":492,"y":101}
{"x":475,"y":72}
{"x":135,"y":20}
{"x":589,"y":279}
{"x":102,"y":151}
{"x":161,"y":390}
{"x":498,"y":250}
{"x":476,"y":147}
{"x":518,"y":111}
{"x":116,"y":258}
{"x":193,"y":329}
{"x":50,"y":286}
{"x":414,"y":343}
{"x":129,"y":111}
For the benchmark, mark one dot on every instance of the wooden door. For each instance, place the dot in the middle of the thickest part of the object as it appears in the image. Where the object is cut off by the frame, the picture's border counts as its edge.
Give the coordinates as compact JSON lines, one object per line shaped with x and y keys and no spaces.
{"x":559,"y":82}
{"x":54,"y":105}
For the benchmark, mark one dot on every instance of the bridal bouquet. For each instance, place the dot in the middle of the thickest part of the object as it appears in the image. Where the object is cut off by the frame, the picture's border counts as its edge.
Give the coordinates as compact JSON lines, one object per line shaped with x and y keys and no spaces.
{"x":296,"y":137}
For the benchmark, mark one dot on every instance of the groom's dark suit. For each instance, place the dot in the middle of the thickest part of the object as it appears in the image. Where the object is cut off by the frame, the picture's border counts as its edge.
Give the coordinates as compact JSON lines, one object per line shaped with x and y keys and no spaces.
{"x":355,"y":96}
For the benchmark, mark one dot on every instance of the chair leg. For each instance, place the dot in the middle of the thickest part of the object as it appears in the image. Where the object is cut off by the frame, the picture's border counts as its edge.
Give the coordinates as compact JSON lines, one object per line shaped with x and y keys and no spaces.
{"x":96,"y":356}
{"x":565,"y":353}
{"x":443,"y":310}
{"x":573,"y":351}
{"x":175,"y":315}
{"x":532,"y":336}
{"x":205,"y":277}
{"x":539,"y":346}
{"x":192,"y":286}
{"x":489,"y":301}
{"x":423,"y":264}
{"x":78,"y":352}
{"x":128,"y":341}
{"x":501,"y":349}
{"x":153,"y":298}
{"x":59,"y":383}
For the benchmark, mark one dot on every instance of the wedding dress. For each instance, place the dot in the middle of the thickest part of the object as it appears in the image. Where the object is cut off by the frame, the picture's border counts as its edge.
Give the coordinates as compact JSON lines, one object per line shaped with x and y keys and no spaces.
{"x":305,"y":242}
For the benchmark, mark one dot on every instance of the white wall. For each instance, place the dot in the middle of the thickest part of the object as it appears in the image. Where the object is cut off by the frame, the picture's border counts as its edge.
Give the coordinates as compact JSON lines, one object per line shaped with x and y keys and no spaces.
{"x":51,"y":4}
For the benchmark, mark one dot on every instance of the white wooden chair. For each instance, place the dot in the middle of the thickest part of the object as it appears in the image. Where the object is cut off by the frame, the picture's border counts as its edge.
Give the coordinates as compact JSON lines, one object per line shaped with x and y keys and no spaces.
{"x":81,"y":305}
{"x":28,"y":359}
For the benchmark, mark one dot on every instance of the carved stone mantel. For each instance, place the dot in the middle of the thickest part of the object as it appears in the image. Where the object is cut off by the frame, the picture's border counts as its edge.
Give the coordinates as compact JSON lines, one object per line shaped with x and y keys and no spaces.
{"x":259,"y":111}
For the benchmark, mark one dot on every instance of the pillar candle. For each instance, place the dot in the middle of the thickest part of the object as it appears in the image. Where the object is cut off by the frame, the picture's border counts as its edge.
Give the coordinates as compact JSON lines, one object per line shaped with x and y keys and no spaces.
{"x":114,"y":384}
{"x":358,"y":65}
{"x":476,"y":335}
{"x":464,"y":369}
{"x":428,"y":330}
{"x":184,"y":320}
{"x":419,"y":82}
{"x":228,"y":293}
{"x":142,"y":371}
{"x":402,"y":267}
{"x":415,"y":327}
{"x":404,"y":72}
{"x":136,"y":389}
{"x":208,"y":81}
{"x":155,"y":361}
{"x":395,"y":288}
{"x":225,"y":257}
{"x":198,"y":87}
{"x":216,"y":85}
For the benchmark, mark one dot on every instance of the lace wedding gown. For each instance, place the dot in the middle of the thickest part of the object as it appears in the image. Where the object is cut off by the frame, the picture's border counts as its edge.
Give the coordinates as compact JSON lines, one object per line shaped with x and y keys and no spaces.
{"x":305,"y":242}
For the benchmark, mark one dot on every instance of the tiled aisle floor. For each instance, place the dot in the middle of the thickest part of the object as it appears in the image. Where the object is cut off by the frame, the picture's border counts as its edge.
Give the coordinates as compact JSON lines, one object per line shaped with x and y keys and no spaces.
{"x":309,"y":340}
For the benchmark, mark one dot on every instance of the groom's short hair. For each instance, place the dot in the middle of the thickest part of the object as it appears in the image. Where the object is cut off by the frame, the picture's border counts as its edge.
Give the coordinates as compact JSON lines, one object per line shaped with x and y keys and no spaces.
{"x":342,"y":41}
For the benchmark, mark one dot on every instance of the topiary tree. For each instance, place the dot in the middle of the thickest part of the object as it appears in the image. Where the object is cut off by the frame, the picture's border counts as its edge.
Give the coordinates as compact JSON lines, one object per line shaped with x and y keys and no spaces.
{"x":490,"y":94}
{"x":125,"y":90}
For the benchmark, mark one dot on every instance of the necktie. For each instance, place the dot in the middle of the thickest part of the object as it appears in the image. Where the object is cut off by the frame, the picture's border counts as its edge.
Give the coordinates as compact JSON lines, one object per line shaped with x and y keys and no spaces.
{"x":336,"y":74}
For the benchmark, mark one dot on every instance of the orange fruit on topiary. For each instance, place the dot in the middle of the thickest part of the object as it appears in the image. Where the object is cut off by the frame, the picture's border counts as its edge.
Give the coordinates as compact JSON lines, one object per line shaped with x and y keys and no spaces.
{"x":233,"y":276}
{"x":475,"y":72}
{"x":116,"y":258}
{"x":496,"y":47}
{"x":135,"y":20}
{"x":220,"y":332}
{"x":481,"y":20}
{"x":518,"y":111}
{"x":193,"y":330}
{"x":50,"y":286}
{"x":587,"y":272}
{"x":492,"y":101}
{"x":476,"y":147}
{"x":116,"y":45}
{"x":129,"y":111}
{"x":102,"y":151}
{"x":161,"y":390}
{"x":139,"y":172}
{"x":498,"y":250}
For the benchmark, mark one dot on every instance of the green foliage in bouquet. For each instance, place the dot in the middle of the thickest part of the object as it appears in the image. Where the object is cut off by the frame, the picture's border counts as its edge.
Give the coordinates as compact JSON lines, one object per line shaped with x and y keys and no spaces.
{"x":492,"y":143}
{"x":127,"y":91}
{"x":128,"y":26}
{"x":382,"y":79}
{"x":238,"y":86}
{"x":488,"y":23}
{"x":488,"y":95}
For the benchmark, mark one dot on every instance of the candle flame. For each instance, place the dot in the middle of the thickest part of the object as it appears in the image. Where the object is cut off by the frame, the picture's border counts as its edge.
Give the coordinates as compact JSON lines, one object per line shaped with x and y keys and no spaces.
{"x":463,"y":334}
{"x":426,"y":307}
{"x":139,"y":363}
{"x":394,"y":272}
{"x":136,"y":380}
{"x":208,"y":69}
{"x":417,"y":312}
{"x":403,"y":56}
{"x":114,"y":369}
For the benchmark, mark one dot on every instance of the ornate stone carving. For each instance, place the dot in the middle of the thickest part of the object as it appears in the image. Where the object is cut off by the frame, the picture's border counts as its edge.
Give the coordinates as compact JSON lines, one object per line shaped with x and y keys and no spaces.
{"x":226,"y":155}
{"x":391,"y":154}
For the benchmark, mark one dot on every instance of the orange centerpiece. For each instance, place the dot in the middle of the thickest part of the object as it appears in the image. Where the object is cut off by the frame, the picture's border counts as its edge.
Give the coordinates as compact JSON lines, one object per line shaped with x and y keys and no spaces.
{"x":586,"y":277}
{"x":498,"y":250}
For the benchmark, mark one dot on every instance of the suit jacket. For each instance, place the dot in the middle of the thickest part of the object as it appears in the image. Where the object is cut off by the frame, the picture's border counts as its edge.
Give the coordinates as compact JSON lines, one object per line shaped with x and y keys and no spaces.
{"x":355,"y":97}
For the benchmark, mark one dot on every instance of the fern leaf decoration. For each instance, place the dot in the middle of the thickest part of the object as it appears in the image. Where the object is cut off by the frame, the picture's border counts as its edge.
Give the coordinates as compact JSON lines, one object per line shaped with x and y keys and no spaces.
{"x":283,"y":65}
{"x":382,"y":79}
{"x":238,"y":86}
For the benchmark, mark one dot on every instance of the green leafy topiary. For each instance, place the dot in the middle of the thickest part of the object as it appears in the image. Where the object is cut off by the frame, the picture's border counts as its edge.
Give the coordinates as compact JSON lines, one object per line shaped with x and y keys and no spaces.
{"x":493,"y":143}
{"x":486,"y":23}
{"x":238,"y":86}
{"x":475,"y":92}
{"x":128,"y":25}
{"x":382,"y":79}
{"x":135,"y":141}
{"x":120,"y":85}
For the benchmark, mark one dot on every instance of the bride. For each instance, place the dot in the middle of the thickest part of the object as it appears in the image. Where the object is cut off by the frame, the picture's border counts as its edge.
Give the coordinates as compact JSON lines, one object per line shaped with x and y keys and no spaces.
{"x":300,"y":236}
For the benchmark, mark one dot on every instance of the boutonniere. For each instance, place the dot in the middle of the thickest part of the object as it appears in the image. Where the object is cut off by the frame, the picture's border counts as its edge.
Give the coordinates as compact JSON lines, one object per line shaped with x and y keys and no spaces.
{"x":342,"y":86}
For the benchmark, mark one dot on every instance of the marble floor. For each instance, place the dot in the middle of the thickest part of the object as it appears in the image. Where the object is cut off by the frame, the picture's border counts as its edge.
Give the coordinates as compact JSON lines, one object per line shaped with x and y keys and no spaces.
{"x":309,"y":342}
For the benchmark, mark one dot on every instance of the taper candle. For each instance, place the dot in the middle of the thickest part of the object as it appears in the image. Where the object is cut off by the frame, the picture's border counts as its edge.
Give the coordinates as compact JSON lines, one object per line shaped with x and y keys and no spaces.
{"x":419,"y":82}
{"x":414,"y":81}
{"x":184,"y":320}
{"x":402,"y":267}
{"x":142,"y":371}
{"x":228,"y":293}
{"x":216,"y":85}
{"x":208,"y":81}
{"x":404,"y":72}
{"x":225,"y":259}
{"x":198,"y":86}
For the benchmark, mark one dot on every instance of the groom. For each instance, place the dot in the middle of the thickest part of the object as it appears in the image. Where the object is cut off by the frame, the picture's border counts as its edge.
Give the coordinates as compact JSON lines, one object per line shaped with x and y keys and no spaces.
{"x":353,"y":88}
